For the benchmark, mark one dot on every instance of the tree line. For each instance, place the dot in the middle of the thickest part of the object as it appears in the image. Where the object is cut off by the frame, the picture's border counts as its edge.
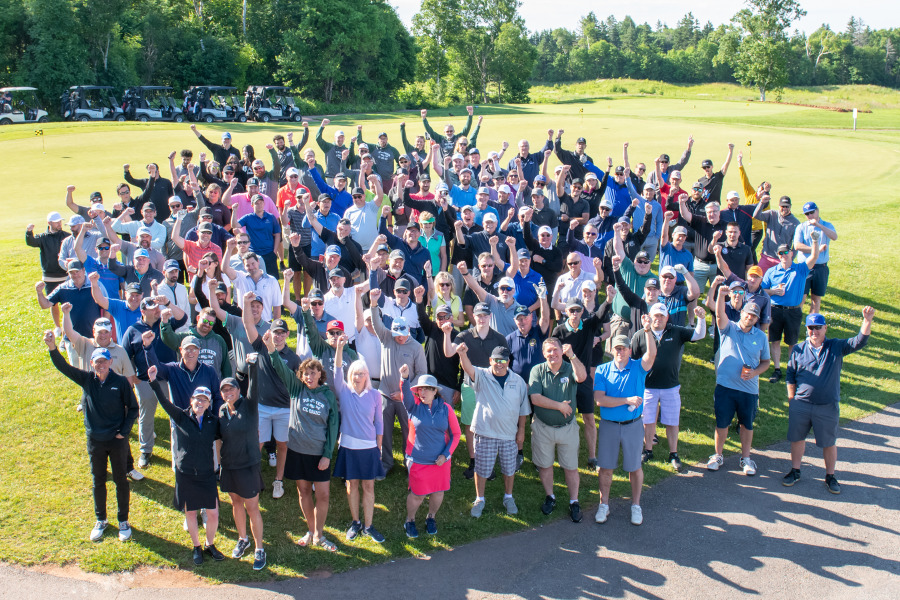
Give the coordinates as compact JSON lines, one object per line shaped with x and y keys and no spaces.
{"x":358,"y":54}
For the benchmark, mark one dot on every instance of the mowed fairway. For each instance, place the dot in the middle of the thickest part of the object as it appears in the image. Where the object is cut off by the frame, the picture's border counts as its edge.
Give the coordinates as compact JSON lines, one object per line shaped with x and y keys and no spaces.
{"x":45,"y":490}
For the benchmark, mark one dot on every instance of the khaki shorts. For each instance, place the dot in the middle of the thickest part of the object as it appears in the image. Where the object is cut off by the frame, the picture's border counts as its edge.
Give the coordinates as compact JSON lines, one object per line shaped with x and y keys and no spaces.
{"x":562,"y":441}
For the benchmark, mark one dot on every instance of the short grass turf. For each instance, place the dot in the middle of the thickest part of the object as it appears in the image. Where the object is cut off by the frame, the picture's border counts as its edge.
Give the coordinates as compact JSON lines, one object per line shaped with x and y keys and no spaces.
{"x":45,"y":496}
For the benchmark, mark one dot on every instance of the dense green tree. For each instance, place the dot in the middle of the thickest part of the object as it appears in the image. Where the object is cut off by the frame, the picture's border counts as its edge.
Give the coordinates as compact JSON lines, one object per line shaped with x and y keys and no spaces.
{"x":13,"y":39}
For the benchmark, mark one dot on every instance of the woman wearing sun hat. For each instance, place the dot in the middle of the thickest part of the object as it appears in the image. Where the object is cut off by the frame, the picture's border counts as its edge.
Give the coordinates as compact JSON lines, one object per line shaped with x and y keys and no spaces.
{"x":433,"y":436}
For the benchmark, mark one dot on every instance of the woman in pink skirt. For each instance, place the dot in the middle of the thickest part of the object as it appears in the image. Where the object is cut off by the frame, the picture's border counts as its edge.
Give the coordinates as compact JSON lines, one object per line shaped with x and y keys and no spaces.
{"x":433,"y":436}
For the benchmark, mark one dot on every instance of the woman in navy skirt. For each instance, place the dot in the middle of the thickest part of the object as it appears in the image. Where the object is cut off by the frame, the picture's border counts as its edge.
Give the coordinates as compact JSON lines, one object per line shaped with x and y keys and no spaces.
{"x":240,"y":478}
{"x":312,"y":432}
{"x":359,"y":456}
{"x":194,"y":431}
{"x":433,"y":436}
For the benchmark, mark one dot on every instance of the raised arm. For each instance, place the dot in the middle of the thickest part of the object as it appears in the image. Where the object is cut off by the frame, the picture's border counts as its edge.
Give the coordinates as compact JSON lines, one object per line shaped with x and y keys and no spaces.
{"x":476,"y":288}
{"x":721,"y":317}
{"x":247,"y":317}
{"x":96,"y":293}
{"x":816,"y":248}
{"x":176,"y":231}
{"x":286,"y":301}
{"x":226,"y":267}
{"x":727,"y":159}
{"x":650,"y":354}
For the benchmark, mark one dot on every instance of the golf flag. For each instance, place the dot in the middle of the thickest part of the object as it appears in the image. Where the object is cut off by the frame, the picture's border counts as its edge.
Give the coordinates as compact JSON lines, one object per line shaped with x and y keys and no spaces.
{"x":750,"y":152}
{"x":581,"y":110}
{"x":38,"y":132}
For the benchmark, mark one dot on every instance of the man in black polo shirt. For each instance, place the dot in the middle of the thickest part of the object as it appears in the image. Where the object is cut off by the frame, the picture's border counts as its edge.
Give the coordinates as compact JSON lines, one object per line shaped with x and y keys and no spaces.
{"x":662,"y":388}
{"x":480,"y":341}
{"x":488,"y":275}
{"x":712,"y":182}
{"x":736,"y":254}
{"x":704,"y":226}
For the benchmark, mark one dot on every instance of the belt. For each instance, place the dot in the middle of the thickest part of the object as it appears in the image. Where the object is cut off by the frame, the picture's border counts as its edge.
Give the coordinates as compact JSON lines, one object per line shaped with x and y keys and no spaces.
{"x":626,"y":422}
{"x":786,"y":307}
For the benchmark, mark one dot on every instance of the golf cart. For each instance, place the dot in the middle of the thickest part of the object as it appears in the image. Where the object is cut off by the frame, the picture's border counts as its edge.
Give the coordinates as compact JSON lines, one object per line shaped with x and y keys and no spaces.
{"x":20,"y":105}
{"x":210,"y":103}
{"x":151,"y":103}
{"x":91,"y":102}
{"x":268,"y":103}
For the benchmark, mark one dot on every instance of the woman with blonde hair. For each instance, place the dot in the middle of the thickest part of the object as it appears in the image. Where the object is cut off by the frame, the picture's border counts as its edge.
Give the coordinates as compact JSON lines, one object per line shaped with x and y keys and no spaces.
{"x":433,"y":241}
{"x":359,"y":455}
{"x":312,"y":433}
{"x":441,"y":293}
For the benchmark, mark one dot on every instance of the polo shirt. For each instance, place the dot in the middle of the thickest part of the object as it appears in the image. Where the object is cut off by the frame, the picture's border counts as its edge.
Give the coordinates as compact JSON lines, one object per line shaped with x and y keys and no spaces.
{"x":525,"y":292}
{"x":242,"y":346}
{"x":738,"y":258}
{"x":620,"y":383}
{"x":664,"y":373}
{"x":670,"y":256}
{"x":635,"y":283}
{"x":267,"y":288}
{"x":123,"y":316}
{"x":462,"y":197}
{"x":713,"y":186}
{"x":480,"y":348}
{"x":503,"y":317}
{"x":343,"y":308}
{"x":84,"y":310}
{"x":109,"y":280}
{"x":317,"y":245}
{"x":363,"y":223}
{"x":779,"y":230}
{"x":817,"y":373}
{"x":743,"y":216}
{"x":801,"y":235}
{"x":704,"y":233}
{"x":193,"y":252}
{"x":737,"y":349}
{"x":759,"y":297}
{"x":560,"y":386}
{"x":497,"y":409}
{"x":677,"y":304}
{"x":261,"y":231}
{"x":480,"y":212}
{"x":794,"y":280}
{"x":269,"y":388}
{"x":526,"y":349}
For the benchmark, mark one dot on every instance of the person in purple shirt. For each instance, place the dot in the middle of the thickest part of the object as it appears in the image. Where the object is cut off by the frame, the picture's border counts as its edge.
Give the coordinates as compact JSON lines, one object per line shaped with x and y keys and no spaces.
{"x":814,"y":392}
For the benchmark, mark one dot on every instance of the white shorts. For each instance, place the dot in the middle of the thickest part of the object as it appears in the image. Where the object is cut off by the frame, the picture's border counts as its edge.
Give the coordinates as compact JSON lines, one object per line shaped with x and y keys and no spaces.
{"x":669,"y":403}
{"x":273,"y":421}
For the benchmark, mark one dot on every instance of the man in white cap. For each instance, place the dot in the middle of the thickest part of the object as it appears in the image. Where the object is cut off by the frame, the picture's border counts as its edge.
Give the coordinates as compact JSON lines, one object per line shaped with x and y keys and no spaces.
{"x":88,"y":241}
{"x":142,"y":241}
{"x":49,"y":242}
{"x":742,"y":357}
{"x":677,"y":298}
{"x":568,"y":285}
{"x":663,"y":387}
{"x":334,"y":161}
{"x":147,"y":221}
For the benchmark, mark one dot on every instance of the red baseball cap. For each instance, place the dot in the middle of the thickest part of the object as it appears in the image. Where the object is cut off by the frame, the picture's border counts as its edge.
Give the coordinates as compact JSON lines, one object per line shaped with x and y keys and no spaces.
{"x":335,"y":324}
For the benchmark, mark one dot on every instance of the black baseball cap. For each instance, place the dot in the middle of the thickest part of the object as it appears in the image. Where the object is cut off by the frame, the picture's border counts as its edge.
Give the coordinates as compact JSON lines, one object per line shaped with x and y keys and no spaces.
{"x":706,"y":163}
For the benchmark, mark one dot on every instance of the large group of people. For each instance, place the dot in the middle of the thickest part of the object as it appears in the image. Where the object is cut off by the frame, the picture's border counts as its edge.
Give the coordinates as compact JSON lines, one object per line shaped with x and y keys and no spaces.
{"x":439,"y":292}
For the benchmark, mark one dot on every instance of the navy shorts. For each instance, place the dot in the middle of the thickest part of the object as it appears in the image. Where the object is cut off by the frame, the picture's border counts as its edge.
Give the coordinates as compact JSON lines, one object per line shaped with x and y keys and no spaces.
{"x":817,"y":281}
{"x":727,"y":402}
{"x":822,"y":419}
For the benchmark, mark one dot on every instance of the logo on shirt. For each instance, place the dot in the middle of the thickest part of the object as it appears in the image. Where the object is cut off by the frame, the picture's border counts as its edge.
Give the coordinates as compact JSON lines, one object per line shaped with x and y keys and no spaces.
{"x":532,"y":343}
{"x":564,"y":381}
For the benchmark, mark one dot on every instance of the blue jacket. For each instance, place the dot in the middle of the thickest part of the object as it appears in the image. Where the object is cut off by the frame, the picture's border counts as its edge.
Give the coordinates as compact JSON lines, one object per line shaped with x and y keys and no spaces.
{"x":183,"y":382}
{"x":340,"y":201}
{"x":134,"y":345}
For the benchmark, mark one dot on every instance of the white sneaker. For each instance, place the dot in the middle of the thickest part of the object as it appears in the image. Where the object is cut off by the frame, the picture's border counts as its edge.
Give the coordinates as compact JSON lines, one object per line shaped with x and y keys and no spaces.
{"x":135,"y":475}
{"x":277,"y":489}
{"x":273,"y":460}
{"x":602,"y":513}
{"x":637,"y":515}
{"x":97,"y":531}
{"x":715,"y":461}
{"x":124,"y":531}
{"x":748,"y":466}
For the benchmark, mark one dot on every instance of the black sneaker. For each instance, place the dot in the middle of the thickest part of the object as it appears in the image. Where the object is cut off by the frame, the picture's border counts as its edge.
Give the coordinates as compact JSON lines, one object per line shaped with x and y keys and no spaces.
{"x":646,"y":455}
{"x":575,"y":512}
{"x":373,"y":533}
{"x":214,"y":552}
{"x":198,"y":555}
{"x":592,"y":463}
{"x":240,"y":548}
{"x":675,"y":461}
{"x":520,"y":460}
{"x":776,"y":376}
{"x":259,"y":560}
{"x":355,"y":528}
{"x":410,"y":528}
{"x":832,"y":484}
{"x":493,"y":475}
{"x":144,"y":460}
{"x":548,"y":505}
{"x":655,"y":439}
{"x":470,"y":472}
{"x":430,"y":526}
{"x":792,"y":477}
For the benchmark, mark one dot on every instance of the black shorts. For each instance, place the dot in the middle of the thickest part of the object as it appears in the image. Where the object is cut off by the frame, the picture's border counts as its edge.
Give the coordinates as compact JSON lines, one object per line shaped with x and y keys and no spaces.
{"x":293,"y":263}
{"x":584,"y":397}
{"x":727,"y":402}
{"x":817,"y":281}
{"x":49,"y":286}
{"x":193,"y":492}
{"x":785,"y":321}
{"x":304,"y":467}
{"x":246,"y":483}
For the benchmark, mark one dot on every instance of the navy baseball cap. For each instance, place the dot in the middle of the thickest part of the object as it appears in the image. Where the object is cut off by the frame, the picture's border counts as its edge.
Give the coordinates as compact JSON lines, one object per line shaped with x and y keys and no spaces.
{"x":522,"y":311}
{"x":814,"y":319}
{"x":171,"y":264}
{"x":809,"y":207}
{"x":253,"y":181}
{"x":315,"y":294}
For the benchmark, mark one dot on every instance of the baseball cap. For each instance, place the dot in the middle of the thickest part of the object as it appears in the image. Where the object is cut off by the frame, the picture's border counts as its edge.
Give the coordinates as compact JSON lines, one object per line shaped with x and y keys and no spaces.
{"x":76,"y":220}
{"x":190,"y":341}
{"x":506,"y":281}
{"x":315,"y":294}
{"x":226,"y":136}
{"x":204,"y":228}
{"x":148,"y":207}
{"x":395,"y":254}
{"x":144,"y":231}
{"x":229,"y":381}
{"x":659,"y":309}
{"x":676,"y":174}
{"x":258,"y":298}
{"x":484,"y":190}
{"x":221,"y":287}
{"x":333,"y":249}
{"x":505,"y":189}
{"x":104,"y":240}
{"x":642,"y":255}
{"x":334,"y":324}
{"x":74,"y":265}
{"x":809,"y":207}
{"x":95,"y":195}
{"x":697,"y":186}
{"x":148,"y":304}
{"x":466,"y":170}
{"x":783,"y":248}
{"x":581,"y":140}
{"x":537,"y":192}
{"x":667,"y":270}
{"x":442,"y":187}
{"x":171,"y":264}
{"x":99,"y":206}
{"x":489,"y":217}
{"x":413,"y":225}
{"x":54,"y":217}
{"x":206,"y":212}
{"x":103,"y":323}
{"x":736,"y":285}
{"x":540,"y":178}
{"x":785,"y":201}
{"x":402,"y":284}
{"x":652,"y":283}
{"x":142,"y":253}
{"x":133,"y":288}
{"x":358,"y":191}
{"x":175,"y":200}
{"x":443,"y":309}
{"x":382,"y":134}
{"x":752,"y":308}
{"x":458,"y":156}
{"x":606,"y":203}
{"x":399,"y":327}
{"x":293,"y":171}
{"x":732,"y":194}
{"x":258,"y":198}
{"x":383,"y":248}
{"x":482,"y":308}
{"x":228,"y":169}
{"x":467,"y":207}
{"x":100,"y":354}
{"x":574,"y":302}
{"x":755,"y":270}
{"x":202,"y":391}
{"x":340,"y":176}
{"x":278,"y":325}
{"x":814,"y":319}
{"x":523,"y":253}
{"x":625,"y":220}
{"x":336,"y":272}
{"x":679,"y":231}
{"x":545,"y":229}
{"x":620,"y":170}
{"x":323,"y":196}
{"x":521,"y":311}
{"x":588,"y":284}
{"x":424,"y":177}
{"x":706,"y":163}
{"x":253,"y":181}
{"x":664,"y":158}
{"x":648,"y":186}
{"x":500,"y":353}
{"x":620,"y":341}
{"x":474,"y":151}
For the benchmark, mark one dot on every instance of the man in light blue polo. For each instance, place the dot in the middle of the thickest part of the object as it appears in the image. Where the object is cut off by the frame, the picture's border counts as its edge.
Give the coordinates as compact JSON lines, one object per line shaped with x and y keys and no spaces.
{"x":804,"y":243}
{"x":619,"y":391}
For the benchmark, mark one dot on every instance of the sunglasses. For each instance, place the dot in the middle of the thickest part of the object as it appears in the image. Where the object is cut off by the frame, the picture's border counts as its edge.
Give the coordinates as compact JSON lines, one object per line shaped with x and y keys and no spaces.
{"x":540,"y":183}
{"x":102,"y":247}
{"x":334,"y":333}
{"x":446,"y":284}
{"x":574,"y":310}
{"x":785,"y":253}
{"x":316,"y":303}
{"x":574,"y":263}
{"x":505,"y":288}
{"x":123,"y":193}
{"x":401,"y":291}
{"x":737,"y":293}
{"x":604,"y":209}
{"x":814,"y":327}
{"x":576,"y":188}
{"x":358,"y":196}
{"x":668,"y":277}
{"x":207,"y":322}
{"x":499,"y":361}
{"x":244,"y":243}
{"x":642,"y":262}
{"x":590,"y":233}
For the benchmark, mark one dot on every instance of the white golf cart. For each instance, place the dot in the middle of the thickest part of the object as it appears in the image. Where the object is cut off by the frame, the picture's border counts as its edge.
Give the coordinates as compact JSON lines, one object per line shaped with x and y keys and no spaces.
{"x":270,"y":103}
{"x":210,"y":103}
{"x":151,"y":103}
{"x":91,"y":103}
{"x":20,"y":105}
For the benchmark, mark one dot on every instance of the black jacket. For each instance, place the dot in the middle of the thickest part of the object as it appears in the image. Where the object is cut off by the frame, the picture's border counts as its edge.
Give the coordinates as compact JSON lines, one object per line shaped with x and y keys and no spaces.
{"x":110,"y":407}
{"x":49,"y":243}
{"x":192,"y":444}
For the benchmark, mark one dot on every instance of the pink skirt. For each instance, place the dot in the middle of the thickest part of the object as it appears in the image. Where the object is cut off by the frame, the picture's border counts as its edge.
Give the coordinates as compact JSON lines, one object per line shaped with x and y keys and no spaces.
{"x":429,"y":479}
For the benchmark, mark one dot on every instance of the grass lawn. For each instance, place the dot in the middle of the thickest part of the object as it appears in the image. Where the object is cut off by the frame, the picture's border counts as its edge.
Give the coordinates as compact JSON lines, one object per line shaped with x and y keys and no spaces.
{"x":45,"y":496}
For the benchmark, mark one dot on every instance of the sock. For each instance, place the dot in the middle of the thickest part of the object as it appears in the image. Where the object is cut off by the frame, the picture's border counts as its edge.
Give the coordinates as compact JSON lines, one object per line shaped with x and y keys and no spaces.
{"x":553,"y":496}
{"x":479,"y":498}
{"x":573,"y":501}
{"x":258,"y":548}
{"x":507,"y":496}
